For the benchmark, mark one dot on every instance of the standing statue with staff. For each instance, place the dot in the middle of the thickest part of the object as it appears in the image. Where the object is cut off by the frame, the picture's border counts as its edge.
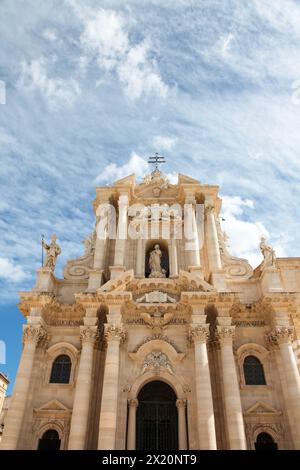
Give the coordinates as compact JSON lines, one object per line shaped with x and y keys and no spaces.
{"x":53,"y":250}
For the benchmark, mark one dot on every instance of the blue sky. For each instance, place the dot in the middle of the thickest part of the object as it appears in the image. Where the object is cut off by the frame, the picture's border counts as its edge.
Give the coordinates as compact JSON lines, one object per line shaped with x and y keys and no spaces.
{"x":95,"y":87}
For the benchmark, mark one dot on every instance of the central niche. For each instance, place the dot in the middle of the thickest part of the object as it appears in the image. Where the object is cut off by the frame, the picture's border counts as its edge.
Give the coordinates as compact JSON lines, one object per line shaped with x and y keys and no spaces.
{"x":157,"y":259}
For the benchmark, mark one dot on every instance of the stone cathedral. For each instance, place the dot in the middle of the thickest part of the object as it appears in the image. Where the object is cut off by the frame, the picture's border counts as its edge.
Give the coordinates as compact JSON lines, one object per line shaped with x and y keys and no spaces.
{"x":145,"y":344}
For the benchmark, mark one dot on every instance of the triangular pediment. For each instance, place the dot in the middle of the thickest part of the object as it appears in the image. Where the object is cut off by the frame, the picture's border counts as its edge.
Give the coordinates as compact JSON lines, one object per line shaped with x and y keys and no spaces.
{"x":126,"y":181}
{"x":52,"y":405}
{"x":183,"y":179}
{"x":262,"y":408}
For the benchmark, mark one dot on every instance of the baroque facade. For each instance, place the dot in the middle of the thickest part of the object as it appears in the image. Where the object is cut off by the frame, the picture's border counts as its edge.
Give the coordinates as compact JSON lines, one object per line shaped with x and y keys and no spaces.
{"x":145,"y":344}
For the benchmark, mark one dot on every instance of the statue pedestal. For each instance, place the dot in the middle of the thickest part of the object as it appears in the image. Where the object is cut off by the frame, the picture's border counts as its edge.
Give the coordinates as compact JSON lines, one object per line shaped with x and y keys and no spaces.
{"x":271,"y":280}
{"x":116,"y":271}
{"x":197,"y":271}
{"x":218,"y":280}
{"x":45,"y":280}
{"x":95,"y":280}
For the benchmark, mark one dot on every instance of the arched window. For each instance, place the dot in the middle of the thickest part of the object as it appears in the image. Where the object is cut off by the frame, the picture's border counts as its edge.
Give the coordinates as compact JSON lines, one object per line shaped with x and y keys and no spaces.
{"x":49,"y":441}
{"x":253,"y":371}
{"x":265,"y":441}
{"x":61,"y":369}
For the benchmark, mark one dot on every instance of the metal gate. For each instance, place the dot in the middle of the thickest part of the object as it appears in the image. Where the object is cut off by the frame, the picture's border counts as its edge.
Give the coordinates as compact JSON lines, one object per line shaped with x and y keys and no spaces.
{"x":157,"y":420}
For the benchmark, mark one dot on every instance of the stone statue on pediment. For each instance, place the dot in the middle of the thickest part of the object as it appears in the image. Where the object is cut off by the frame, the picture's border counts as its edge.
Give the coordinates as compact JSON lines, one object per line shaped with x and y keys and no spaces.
{"x":53,"y":250}
{"x":268,"y":253}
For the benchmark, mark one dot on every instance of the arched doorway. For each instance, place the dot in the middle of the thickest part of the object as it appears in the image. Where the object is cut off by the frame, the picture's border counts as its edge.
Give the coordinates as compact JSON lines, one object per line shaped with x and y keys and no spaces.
{"x":49,"y":441}
{"x":265,"y":441}
{"x":157,"y":419}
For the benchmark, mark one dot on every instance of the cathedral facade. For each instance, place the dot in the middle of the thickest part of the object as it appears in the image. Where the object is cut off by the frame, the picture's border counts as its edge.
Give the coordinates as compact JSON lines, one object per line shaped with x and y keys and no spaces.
{"x":157,"y":338}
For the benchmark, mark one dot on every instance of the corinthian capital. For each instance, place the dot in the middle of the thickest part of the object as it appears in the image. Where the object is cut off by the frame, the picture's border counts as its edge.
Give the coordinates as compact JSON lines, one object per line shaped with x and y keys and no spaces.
{"x":181,"y":403}
{"x":225,"y":334}
{"x":209,"y":209}
{"x":88,"y":334}
{"x":113,"y":332}
{"x":280,"y":334}
{"x":199,"y":333}
{"x":33,"y":334}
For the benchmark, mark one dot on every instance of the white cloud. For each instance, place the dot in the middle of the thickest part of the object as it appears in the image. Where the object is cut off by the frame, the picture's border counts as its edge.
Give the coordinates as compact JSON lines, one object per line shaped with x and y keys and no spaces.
{"x":164,"y":142}
{"x":244,"y":235}
{"x":34,"y":76}
{"x":112,"y":171}
{"x":172,"y":177}
{"x":137,"y":75}
{"x":106,"y":37}
{"x":10,"y":271}
{"x":50,"y":35}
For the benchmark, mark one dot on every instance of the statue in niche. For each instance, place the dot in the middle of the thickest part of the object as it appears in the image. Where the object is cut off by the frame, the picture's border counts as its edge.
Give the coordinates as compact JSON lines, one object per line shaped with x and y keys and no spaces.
{"x":268,"y":254}
{"x":155,"y":263}
{"x":52,"y":252}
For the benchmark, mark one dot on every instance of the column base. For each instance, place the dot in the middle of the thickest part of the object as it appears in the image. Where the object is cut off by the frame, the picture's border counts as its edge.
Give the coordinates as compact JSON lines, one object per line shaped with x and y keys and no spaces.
{"x":271,"y":280}
{"x":95,"y":279}
{"x":45,"y":281}
{"x":197,"y":271}
{"x":116,"y":271}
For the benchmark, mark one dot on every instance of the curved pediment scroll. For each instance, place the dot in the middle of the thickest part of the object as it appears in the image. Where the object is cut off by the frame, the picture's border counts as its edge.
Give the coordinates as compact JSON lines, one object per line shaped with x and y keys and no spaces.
{"x":79,"y":268}
{"x":233,"y":266}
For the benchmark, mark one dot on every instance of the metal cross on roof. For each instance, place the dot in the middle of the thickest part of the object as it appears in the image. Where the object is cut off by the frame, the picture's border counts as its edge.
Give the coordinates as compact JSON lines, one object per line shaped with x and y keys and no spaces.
{"x":156,"y":160}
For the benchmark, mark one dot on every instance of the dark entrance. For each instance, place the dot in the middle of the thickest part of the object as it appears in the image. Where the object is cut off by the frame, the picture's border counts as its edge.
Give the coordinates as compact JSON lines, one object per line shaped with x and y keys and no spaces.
{"x":49,"y":441}
{"x":265,"y":442}
{"x":157,"y":420}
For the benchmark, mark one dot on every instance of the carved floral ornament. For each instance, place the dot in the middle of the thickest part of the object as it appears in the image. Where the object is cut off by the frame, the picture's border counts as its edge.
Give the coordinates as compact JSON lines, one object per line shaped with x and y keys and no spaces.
{"x":157,"y":319}
{"x":157,"y":360}
{"x":33,"y":334}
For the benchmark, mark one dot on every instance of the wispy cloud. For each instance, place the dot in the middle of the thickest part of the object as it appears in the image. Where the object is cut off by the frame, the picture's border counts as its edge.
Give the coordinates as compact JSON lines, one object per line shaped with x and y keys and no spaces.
{"x":164,"y":142}
{"x":11,"y":271}
{"x":57,"y":91}
{"x":106,"y":36}
{"x":136,"y":165}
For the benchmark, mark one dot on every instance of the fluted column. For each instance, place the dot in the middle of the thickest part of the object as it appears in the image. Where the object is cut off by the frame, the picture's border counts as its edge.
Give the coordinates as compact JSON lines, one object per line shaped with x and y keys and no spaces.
{"x":191,"y":232}
{"x":212,"y":241}
{"x":122,"y":231}
{"x":114,"y":334}
{"x":173,"y":258}
{"x":32,"y":335}
{"x":205,"y":411}
{"x":81,"y":404}
{"x":104,"y":217}
{"x":182,"y":435}
{"x":232,"y":398}
{"x":131,"y":433}
{"x":282,"y":336}
{"x":140,"y":255}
